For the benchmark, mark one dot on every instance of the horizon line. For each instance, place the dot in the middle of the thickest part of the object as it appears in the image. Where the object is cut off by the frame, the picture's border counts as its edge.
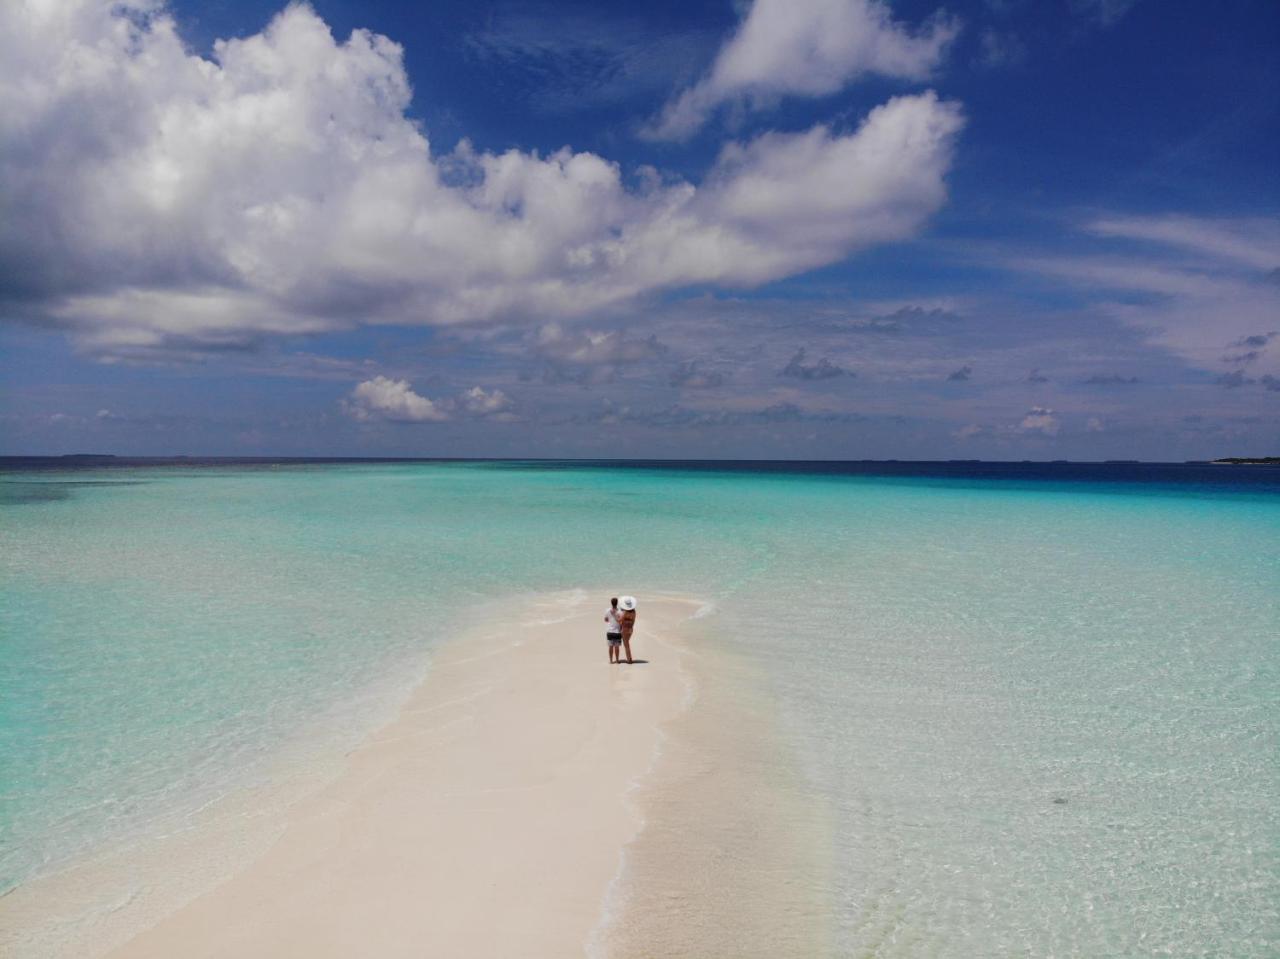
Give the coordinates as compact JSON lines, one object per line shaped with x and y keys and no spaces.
{"x":326,"y":458}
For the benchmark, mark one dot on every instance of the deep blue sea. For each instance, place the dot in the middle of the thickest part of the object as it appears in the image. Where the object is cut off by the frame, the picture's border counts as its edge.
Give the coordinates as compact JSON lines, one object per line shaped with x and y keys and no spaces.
{"x":1041,"y":702}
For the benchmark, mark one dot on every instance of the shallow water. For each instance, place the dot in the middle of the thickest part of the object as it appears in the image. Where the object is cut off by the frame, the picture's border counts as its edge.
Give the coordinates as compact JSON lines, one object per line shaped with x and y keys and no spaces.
{"x":1037,"y":707}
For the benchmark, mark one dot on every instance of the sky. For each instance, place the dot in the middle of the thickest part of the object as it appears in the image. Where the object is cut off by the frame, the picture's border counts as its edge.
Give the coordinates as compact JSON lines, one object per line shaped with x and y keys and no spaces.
{"x":814,"y":229}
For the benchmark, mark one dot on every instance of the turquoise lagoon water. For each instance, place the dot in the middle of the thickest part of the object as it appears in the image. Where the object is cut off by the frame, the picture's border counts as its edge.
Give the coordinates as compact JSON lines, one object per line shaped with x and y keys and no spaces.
{"x":1041,"y":707}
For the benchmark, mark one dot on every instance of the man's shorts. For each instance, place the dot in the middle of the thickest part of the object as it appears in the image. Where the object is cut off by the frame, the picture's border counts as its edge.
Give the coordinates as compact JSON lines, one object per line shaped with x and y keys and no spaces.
{"x":615,"y":639}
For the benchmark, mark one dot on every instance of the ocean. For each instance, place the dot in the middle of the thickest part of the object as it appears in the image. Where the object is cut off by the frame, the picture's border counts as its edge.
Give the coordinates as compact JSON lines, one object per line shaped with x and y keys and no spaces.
{"x":1036,"y":703}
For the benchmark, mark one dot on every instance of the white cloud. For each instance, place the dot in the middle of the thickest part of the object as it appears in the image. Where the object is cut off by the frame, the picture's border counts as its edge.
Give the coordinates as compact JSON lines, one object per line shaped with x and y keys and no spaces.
{"x":481,"y":402}
{"x":158,"y":200}
{"x":1246,"y":242}
{"x":1039,"y":420}
{"x":594,"y":347}
{"x":383,"y":398}
{"x":394,"y":400}
{"x":1193,"y":285}
{"x":807,"y":48}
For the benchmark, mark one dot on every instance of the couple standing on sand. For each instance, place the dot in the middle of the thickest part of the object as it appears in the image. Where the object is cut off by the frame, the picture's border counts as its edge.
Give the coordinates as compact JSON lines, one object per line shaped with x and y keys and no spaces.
{"x":619,"y":622}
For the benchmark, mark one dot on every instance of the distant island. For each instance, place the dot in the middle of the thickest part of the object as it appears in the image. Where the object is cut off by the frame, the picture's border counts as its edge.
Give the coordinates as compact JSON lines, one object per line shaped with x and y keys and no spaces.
{"x":1248,"y":461}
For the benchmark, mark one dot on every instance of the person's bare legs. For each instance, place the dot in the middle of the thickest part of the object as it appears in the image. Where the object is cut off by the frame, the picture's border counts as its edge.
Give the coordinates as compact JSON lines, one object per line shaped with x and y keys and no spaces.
{"x":626,"y":641}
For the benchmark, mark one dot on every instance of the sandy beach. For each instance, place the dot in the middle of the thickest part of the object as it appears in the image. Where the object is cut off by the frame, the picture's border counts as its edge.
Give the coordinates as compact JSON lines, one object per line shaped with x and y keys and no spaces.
{"x":488,"y":819}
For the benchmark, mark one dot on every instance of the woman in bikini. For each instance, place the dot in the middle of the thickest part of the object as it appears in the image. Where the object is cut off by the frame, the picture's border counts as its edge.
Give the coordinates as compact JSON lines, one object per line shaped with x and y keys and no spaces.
{"x":627,"y":621}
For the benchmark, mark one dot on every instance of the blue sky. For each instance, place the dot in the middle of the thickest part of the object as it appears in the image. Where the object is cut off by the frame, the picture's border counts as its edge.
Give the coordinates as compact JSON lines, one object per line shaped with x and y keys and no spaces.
{"x":783,"y":228}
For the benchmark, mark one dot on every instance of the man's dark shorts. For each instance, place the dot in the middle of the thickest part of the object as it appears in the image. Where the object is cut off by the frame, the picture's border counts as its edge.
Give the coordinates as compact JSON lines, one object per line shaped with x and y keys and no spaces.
{"x":615,"y":639}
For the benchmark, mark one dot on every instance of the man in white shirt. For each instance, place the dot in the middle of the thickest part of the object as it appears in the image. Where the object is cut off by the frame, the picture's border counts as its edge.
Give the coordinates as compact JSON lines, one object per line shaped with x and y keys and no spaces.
{"x":613,"y":631}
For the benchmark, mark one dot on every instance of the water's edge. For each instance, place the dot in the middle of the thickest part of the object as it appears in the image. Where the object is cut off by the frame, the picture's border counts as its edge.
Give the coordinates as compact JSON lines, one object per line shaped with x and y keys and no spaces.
{"x":735,"y":854}
{"x":90,"y":907}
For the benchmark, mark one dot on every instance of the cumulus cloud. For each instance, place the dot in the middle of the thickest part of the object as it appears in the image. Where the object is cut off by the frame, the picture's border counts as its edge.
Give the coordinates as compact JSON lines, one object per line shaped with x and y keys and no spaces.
{"x":155,"y":199}
{"x":824,"y":369}
{"x":806,"y":48}
{"x":480,"y":402}
{"x":568,"y":345}
{"x":590,"y":357}
{"x":1039,"y":420}
{"x":384,"y":398}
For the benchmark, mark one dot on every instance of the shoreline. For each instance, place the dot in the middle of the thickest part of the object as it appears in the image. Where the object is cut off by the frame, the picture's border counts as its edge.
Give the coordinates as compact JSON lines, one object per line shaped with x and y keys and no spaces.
{"x":489,"y":817}
{"x":735,"y":857}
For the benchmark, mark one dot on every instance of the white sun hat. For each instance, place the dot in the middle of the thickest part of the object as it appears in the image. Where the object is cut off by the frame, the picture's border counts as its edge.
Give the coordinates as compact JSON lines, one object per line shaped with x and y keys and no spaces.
{"x":627,"y":602}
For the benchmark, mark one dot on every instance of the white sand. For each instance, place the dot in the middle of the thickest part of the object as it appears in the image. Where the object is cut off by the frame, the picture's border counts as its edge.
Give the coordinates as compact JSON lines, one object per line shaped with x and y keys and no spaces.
{"x":487,"y":820}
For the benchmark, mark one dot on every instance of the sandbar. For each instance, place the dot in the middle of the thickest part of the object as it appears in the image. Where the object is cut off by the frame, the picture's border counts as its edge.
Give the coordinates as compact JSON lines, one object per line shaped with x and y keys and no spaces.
{"x":488,"y":819}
